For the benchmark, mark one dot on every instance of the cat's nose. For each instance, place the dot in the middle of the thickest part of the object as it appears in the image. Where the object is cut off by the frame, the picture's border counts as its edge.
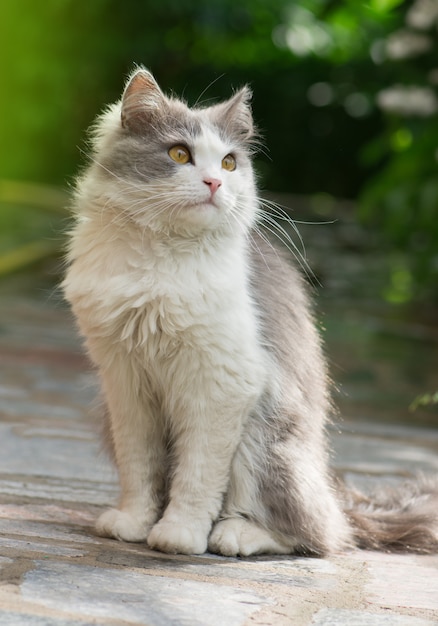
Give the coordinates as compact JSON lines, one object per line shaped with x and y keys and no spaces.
{"x":213,"y":183}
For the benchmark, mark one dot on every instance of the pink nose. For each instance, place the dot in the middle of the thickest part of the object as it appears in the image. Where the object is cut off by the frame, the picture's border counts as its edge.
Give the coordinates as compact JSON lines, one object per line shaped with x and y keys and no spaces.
{"x":213,"y":183}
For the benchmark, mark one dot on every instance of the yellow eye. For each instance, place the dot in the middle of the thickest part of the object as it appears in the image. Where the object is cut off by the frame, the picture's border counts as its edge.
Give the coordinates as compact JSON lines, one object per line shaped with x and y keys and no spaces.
{"x":180,"y":154}
{"x":229,"y":163}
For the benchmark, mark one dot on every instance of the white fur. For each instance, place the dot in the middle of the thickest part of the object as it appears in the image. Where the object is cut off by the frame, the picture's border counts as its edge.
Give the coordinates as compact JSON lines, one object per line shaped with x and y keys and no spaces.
{"x":237,"y":536}
{"x":162,"y":300}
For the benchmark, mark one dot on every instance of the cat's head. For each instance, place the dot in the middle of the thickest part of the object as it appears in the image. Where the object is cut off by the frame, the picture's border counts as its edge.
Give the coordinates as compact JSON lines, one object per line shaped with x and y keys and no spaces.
{"x":174,"y":168}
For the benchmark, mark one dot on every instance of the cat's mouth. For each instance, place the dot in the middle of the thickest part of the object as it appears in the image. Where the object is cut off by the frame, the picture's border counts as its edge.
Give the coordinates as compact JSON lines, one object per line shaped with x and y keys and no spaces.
{"x":200,"y":205}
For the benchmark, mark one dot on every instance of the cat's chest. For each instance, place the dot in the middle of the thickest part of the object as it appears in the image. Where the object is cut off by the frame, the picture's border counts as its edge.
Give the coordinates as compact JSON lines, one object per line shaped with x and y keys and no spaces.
{"x":172,"y":289}
{"x":172,"y":309}
{"x":144,"y":295}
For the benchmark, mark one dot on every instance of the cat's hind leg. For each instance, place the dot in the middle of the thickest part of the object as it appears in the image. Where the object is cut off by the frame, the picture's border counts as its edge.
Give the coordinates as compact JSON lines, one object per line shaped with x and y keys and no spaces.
{"x":240,"y":537}
{"x":279,"y":499}
{"x":242,"y":531}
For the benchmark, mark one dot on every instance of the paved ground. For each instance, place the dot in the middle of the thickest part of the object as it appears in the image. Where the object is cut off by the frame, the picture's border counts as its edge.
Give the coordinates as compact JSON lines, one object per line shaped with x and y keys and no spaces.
{"x":54,"y":571}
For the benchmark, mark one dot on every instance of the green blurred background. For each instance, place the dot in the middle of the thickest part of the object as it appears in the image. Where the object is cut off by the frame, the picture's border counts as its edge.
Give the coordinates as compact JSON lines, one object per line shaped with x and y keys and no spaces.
{"x":345,"y":97}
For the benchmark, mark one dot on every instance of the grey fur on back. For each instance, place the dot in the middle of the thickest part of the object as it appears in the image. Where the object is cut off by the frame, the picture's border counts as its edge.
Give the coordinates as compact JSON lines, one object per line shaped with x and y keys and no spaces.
{"x":398,"y":519}
{"x":294,"y":420}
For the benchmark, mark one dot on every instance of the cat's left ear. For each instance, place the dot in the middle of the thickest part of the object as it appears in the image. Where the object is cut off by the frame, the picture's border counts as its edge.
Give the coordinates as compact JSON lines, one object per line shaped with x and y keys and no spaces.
{"x":235,"y":115}
{"x":141,"y":100}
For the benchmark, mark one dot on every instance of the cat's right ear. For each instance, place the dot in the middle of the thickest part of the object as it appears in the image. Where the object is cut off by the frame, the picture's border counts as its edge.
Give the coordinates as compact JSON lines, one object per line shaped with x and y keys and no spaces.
{"x":141,"y":100}
{"x":235,"y":115}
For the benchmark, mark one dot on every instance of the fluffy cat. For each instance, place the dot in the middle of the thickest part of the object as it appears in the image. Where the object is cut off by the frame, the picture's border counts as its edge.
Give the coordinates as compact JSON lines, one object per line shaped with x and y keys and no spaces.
{"x":211,"y":368}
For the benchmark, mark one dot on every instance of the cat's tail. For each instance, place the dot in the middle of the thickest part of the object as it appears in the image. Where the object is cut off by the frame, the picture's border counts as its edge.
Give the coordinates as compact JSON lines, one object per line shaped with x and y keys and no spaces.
{"x":402,"y":518}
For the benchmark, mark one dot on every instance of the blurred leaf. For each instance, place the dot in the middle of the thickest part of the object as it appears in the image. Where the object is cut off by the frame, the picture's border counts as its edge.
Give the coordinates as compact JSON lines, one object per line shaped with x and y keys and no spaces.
{"x":384,"y":6}
{"x":427,"y":399}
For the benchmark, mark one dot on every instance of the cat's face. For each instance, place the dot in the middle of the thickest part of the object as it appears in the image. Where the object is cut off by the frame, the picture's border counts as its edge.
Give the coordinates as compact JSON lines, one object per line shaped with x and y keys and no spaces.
{"x":176,"y":169}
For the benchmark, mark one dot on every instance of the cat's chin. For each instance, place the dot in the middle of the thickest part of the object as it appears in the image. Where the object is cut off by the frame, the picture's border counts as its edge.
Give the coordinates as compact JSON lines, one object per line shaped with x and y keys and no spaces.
{"x":204,"y":215}
{"x":203,"y":205}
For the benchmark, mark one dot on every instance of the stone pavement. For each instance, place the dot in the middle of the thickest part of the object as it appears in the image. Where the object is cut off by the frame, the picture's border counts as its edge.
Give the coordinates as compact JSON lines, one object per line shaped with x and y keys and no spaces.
{"x":54,"y":571}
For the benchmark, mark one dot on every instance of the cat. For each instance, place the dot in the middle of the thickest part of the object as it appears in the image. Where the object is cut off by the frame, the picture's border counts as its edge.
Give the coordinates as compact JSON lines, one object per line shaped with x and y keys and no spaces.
{"x":203,"y":337}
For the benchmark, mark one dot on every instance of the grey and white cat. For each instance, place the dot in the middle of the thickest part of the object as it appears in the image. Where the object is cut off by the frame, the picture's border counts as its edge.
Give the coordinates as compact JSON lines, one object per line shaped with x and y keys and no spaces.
{"x":211,"y":368}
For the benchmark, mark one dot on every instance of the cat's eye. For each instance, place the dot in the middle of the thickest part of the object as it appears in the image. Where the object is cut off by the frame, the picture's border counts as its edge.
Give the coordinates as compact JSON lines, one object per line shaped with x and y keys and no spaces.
{"x":180,"y":154}
{"x":229,"y":163}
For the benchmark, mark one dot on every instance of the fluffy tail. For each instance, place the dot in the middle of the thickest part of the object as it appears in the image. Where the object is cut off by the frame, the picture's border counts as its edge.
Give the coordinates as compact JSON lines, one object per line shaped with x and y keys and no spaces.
{"x":396,"y":519}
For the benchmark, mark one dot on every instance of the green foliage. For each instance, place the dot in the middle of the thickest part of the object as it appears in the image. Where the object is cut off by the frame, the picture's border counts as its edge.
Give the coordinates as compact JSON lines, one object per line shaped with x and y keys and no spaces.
{"x":66,"y":59}
{"x":426,"y":400}
{"x":401,"y":200}
{"x":317,"y":68}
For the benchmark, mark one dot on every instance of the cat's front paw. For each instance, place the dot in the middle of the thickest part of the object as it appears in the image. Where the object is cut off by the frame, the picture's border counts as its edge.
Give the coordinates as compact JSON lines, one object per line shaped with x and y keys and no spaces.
{"x":237,"y":536}
{"x":123,"y":526}
{"x":175,"y":538}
